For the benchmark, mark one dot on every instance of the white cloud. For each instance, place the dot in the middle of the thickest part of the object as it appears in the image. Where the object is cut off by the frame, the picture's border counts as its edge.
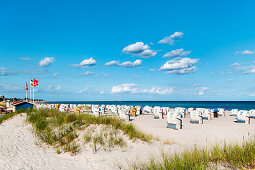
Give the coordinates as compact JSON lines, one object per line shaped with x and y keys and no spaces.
{"x":10,"y":87}
{"x":46,"y":61}
{"x":87,"y":73}
{"x":55,"y":75}
{"x":245,"y":52}
{"x":50,"y":87}
{"x":88,"y":62}
{"x":180,"y":66}
{"x":158,"y":90}
{"x":170,"y":39}
{"x":25,"y":59}
{"x":83,"y":90}
{"x":201,"y":90}
{"x":126,"y":64}
{"x":85,"y":63}
{"x":176,"y":53}
{"x":152,"y":70}
{"x":133,"y":88}
{"x":139,"y":49}
{"x":102,"y":92}
{"x":59,"y":87}
{"x":243,"y":69}
{"x":5,"y":72}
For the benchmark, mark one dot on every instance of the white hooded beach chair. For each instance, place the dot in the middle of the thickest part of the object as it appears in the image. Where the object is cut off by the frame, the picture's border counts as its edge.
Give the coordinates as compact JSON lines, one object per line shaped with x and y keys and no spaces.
{"x":207,"y":114}
{"x":164,"y":110}
{"x":95,"y":110}
{"x":221,"y":112}
{"x":147,"y":110}
{"x":252,"y":114}
{"x":157,"y":111}
{"x":174,"y":120}
{"x":234,"y":112}
{"x":196,"y":117}
{"x":243,"y":117}
{"x":124,"y":114}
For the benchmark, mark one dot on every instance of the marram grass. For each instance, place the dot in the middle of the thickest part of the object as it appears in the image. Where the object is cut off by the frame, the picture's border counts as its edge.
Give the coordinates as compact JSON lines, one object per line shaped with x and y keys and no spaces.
{"x":233,"y":156}
{"x":59,"y":129}
{"x":10,"y":115}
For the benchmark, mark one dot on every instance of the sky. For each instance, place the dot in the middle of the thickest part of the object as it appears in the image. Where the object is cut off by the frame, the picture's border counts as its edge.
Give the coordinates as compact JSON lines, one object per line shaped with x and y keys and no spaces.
{"x":128,"y":50}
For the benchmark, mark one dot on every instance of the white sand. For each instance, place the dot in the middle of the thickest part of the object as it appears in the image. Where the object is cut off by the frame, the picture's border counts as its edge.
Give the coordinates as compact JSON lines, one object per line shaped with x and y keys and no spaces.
{"x":18,"y":148}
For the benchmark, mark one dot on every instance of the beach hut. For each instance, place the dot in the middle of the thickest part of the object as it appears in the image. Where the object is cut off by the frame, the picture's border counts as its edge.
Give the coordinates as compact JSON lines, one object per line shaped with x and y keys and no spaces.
{"x":174,"y":120}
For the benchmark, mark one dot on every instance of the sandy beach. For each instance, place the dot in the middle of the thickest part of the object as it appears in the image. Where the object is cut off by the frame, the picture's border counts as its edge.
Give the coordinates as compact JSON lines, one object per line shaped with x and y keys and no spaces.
{"x":20,"y":149}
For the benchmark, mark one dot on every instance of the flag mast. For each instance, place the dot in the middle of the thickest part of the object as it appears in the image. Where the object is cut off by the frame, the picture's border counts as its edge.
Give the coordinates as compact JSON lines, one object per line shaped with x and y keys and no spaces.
{"x":26,"y":91}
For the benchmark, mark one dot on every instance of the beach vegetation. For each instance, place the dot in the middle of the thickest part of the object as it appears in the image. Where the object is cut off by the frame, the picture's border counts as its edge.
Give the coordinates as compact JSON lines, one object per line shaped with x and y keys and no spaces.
{"x":233,"y":156}
{"x":62,"y":129}
{"x":10,"y":115}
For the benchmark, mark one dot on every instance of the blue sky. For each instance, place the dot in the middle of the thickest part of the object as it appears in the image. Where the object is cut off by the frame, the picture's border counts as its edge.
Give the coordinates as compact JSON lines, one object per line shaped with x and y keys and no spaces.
{"x":128,"y":50}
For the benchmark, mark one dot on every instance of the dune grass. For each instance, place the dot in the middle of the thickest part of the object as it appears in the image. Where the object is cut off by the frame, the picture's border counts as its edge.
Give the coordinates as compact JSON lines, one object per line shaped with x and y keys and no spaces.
{"x":231,"y":156}
{"x":10,"y":115}
{"x":59,"y":129}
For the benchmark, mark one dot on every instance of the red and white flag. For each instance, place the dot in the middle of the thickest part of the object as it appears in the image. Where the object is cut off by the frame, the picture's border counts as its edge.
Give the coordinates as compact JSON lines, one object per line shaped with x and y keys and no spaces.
{"x":34,"y":82}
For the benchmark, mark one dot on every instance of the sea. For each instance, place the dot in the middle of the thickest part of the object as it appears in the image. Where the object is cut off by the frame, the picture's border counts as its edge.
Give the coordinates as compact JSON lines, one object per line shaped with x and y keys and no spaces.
{"x":228,"y":105}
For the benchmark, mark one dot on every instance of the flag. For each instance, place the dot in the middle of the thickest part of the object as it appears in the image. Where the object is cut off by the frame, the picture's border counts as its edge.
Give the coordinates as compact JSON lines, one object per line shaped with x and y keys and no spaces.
{"x":34,"y":82}
{"x":26,"y":86}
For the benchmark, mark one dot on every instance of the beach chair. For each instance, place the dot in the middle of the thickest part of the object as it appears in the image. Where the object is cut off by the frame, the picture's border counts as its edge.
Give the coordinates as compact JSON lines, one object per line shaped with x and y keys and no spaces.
{"x":206,"y":114}
{"x":95,"y":110}
{"x":124,"y":114}
{"x":196,"y":117}
{"x":164,"y":110}
{"x":174,"y":120}
{"x":221,"y":112}
{"x":147,"y":110}
{"x":252,"y":114}
{"x":243,"y":117}
{"x":158,"y":113}
{"x":234,"y":112}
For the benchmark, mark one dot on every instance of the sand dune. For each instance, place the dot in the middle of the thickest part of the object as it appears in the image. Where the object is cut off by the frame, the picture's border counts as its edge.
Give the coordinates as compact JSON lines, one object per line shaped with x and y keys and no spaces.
{"x":19,"y":148}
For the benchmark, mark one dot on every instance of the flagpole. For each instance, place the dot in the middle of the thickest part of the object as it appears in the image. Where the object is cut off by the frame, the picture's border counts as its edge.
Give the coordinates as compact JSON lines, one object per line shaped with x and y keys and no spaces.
{"x":30,"y":91}
{"x":34,"y":95}
{"x":26,"y":91}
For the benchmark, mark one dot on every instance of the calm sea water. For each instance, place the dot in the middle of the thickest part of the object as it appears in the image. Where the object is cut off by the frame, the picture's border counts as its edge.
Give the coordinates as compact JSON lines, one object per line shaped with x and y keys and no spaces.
{"x":244,"y":105}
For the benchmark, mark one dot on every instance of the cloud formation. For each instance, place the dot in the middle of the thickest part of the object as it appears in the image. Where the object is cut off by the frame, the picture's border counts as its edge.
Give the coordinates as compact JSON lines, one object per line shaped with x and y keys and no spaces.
{"x":127,"y":64}
{"x":240,"y":67}
{"x":88,"y":62}
{"x":46,"y":61}
{"x":180,"y":66}
{"x":139,"y":49}
{"x":87,"y":73}
{"x":170,"y":39}
{"x":25,"y":59}
{"x":85,"y":63}
{"x":201,"y":90}
{"x":177,"y":53}
{"x":5,"y":72}
{"x":55,"y":75}
{"x":83,"y":90}
{"x":133,"y":88}
{"x":9,"y":87}
{"x":245,"y":52}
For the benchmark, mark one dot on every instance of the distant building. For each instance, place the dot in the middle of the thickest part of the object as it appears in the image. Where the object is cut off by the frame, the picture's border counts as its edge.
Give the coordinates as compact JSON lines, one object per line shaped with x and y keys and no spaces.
{"x":22,"y":105}
{"x":1,"y":98}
